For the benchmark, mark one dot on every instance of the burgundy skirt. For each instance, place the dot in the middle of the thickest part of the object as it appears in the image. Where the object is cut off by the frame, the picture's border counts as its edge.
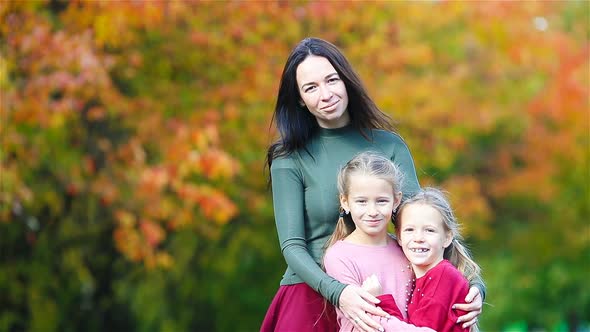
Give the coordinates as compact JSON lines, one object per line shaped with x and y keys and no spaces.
{"x":299,"y":308}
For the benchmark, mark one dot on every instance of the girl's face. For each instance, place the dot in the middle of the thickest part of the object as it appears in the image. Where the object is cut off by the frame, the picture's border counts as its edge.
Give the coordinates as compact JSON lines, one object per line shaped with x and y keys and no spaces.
{"x":422,"y":236}
{"x":370,"y":202}
{"x":323,"y":92}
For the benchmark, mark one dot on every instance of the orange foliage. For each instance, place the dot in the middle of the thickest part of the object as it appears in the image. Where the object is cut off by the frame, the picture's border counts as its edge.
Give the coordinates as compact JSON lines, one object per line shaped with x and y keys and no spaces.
{"x":216,"y":164}
{"x":66,"y":85}
{"x":214,"y":203}
{"x":129,"y":243}
{"x":152,"y":232}
{"x":558,"y":119}
{"x":174,"y":168}
{"x":471,"y":208}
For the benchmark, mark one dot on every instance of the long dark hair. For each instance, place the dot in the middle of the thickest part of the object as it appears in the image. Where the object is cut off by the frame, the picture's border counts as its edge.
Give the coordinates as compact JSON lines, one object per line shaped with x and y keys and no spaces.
{"x":296,"y":125}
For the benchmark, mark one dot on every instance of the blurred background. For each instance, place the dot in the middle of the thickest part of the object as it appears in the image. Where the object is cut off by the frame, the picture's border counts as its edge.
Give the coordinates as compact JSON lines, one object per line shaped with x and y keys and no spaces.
{"x":133,"y":138}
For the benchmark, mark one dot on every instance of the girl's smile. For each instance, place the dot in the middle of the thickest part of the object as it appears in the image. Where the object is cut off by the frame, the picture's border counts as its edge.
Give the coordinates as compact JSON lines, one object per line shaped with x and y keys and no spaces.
{"x":371,"y":201}
{"x":423,"y":237}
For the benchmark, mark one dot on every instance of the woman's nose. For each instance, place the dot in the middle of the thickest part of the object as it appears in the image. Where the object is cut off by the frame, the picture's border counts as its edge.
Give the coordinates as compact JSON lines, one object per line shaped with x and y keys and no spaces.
{"x":325,"y":93}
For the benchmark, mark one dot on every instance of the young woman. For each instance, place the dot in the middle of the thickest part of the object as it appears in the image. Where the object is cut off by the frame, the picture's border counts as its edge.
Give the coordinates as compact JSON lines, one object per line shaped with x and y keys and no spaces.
{"x":324,"y":117}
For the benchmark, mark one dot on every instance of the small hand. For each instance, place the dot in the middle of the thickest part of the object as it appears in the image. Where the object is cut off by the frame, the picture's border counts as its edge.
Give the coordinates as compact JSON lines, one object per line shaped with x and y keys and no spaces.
{"x":355,"y":303}
{"x":372,"y":285}
{"x":473,"y":305}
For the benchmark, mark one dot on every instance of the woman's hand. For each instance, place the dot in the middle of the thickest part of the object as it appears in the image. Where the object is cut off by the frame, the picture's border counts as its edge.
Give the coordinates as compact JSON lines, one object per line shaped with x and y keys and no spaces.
{"x":355,"y":303}
{"x":473,"y":306}
{"x":372,"y":285}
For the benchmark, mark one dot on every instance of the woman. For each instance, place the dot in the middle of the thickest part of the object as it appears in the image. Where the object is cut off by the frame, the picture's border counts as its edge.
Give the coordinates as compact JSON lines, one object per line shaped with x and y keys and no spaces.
{"x":325,"y":116}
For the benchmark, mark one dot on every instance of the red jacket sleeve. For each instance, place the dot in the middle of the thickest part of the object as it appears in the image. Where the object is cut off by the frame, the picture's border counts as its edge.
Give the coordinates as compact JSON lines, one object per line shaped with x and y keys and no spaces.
{"x":433,"y":306}
{"x":389,"y":306}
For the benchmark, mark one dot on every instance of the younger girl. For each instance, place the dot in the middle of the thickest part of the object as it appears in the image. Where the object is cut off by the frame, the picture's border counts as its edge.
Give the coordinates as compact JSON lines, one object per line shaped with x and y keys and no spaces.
{"x":428,"y":233}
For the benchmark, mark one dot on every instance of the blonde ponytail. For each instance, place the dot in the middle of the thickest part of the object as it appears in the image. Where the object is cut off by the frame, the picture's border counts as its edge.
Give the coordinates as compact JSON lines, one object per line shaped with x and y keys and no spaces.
{"x":344,"y":226}
{"x":459,"y":256}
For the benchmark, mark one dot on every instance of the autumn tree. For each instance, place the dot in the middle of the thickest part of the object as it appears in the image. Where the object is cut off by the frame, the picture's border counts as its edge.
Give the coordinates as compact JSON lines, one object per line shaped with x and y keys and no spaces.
{"x":133,"y":136}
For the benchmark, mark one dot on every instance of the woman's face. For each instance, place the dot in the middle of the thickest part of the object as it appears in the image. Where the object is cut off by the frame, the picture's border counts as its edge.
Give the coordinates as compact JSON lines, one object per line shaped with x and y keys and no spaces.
{"x":323,"y":92}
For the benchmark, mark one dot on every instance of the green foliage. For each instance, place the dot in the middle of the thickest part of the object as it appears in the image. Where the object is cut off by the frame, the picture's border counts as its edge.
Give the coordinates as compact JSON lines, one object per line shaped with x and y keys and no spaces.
{"x":133,"y":134}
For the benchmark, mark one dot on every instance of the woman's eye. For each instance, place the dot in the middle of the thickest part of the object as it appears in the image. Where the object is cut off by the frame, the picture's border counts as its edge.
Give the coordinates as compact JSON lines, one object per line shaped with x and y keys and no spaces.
{"x":309,"y":89}
{"x":333,"y":79}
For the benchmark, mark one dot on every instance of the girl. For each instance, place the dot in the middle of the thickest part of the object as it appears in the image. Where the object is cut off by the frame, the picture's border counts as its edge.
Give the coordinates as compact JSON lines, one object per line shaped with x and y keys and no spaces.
{"x":428,"y":233}
{"x":360,"y":246}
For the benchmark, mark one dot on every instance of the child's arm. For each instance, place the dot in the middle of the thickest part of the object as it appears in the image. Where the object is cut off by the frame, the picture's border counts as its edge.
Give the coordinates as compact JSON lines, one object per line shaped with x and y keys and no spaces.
{"x":396,"y":322}
{"x":373,"y":286}
{"x":395,"y":325}
{"x":435,"y":315}
{"x":341,"y":269}
{"x":444,"y":287}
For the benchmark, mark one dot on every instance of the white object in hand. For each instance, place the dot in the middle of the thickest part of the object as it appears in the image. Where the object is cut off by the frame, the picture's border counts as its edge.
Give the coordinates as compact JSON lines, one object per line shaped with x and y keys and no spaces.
{"x":372,"y":285}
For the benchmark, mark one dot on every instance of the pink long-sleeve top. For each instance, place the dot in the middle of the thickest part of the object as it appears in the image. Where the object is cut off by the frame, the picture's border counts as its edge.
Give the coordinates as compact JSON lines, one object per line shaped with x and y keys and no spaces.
{"x":353,"y":263}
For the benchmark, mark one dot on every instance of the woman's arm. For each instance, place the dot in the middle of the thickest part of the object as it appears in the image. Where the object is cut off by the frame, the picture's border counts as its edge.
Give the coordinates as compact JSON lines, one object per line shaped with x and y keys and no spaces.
{"x":403,"y":158}
{"x":288,"y":203}
{"x":473,"y":307}
{"x":473,"y":303}
{"x":481,"y":286}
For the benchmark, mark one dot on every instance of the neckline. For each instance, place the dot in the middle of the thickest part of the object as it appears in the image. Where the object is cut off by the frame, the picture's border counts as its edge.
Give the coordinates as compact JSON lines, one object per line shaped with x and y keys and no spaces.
{"x":366,"y":245}
{"x":334,"y":132}
{"x":429,"y":271}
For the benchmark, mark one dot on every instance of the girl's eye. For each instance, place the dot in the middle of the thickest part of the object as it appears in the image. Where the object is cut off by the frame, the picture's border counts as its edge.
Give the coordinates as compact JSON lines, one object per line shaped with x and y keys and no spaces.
{"x":309,"y":89}
{"x":333,"y":79}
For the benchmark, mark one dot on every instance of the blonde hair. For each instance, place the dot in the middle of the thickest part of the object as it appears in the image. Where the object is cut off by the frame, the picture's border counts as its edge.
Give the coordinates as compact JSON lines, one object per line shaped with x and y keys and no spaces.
{"x":365,"y":163}
{"x":457,"y":253}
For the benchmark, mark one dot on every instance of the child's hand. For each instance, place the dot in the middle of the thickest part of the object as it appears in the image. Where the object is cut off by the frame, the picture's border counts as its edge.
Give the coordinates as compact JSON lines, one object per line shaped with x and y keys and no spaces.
{"x":372,"y":285}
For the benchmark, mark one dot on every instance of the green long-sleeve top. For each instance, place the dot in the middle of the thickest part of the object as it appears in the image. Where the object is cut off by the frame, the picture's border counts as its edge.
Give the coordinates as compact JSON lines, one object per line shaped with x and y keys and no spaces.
{"x":305,"y":198}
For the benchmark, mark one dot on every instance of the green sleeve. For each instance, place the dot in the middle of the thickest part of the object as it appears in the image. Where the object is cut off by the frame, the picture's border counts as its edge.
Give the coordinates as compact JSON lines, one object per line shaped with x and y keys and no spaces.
{"x":288,"y":202}
{"x":478,"y":282}
{"x":403,"y":158}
